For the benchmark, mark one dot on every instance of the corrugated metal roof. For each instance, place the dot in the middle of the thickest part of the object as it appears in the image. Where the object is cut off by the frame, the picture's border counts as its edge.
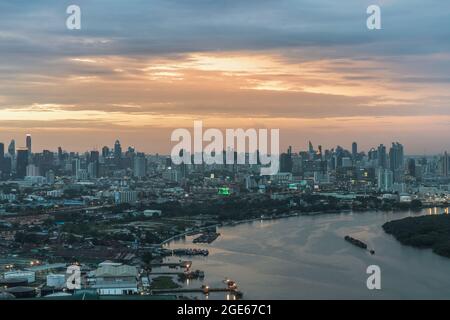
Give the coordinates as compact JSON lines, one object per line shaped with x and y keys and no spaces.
{"x":116,"y":271}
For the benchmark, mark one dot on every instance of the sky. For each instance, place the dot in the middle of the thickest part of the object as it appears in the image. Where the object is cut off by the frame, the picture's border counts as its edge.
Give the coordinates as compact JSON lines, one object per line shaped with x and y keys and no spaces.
{"x":138,"y":69}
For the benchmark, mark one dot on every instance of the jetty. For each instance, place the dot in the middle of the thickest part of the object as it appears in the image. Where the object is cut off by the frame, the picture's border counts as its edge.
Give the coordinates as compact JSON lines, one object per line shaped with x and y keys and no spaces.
{"x":204,"y":289}
{"x":181,"y":264}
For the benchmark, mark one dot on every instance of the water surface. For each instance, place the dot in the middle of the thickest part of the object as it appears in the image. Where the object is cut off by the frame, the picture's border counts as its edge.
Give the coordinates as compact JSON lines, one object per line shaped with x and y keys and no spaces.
{"x":306,"y":257}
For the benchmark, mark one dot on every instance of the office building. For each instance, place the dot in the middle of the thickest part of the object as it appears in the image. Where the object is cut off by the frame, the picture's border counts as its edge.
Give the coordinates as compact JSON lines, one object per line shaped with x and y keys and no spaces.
{"x":385,"y":180}
{"x":381,"y":156}
{"x":22,"y":163}
{"x":139,"y":166}
{"x":28,"y":143}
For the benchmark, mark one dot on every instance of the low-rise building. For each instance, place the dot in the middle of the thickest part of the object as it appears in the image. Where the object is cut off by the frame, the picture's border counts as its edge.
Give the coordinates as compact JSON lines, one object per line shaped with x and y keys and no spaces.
{"x":116,"y":280}
{"x":28,"y":275}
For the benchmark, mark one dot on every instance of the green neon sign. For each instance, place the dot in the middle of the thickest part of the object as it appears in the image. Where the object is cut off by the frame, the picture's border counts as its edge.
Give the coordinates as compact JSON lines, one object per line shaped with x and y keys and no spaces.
{"x":224,"y":191}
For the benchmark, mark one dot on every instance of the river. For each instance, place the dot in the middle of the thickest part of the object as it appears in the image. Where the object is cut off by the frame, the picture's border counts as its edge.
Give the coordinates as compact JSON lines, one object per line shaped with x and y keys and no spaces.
{"x":306,"y":257}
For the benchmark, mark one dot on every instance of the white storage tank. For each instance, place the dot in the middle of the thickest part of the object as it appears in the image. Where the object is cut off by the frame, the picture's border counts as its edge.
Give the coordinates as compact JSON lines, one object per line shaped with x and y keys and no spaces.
{"x":56,"y":280}
{"x":29,"y":275}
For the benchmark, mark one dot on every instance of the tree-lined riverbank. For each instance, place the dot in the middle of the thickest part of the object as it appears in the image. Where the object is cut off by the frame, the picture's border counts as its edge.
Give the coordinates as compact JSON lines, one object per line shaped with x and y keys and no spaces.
{"x":431,"y":231}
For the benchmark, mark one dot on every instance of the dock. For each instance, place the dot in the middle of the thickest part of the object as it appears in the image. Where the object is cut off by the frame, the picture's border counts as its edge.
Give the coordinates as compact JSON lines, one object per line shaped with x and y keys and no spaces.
{"x":196,"y":290}
{"x":182,"y":264}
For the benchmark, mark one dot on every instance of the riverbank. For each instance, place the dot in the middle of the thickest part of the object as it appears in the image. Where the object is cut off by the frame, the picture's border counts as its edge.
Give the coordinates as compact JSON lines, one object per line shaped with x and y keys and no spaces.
{"x":429,"y":232}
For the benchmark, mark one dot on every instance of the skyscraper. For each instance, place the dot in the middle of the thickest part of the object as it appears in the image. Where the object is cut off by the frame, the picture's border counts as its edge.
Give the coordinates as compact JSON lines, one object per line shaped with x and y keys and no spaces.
{"x":12,"y":149}
{"x":32,"y":170}
{"x":60,"y":155}
{"x":76,"y":167}
{"x":94,"y":164}
{"x":117,"y":152}
{"x":310,"y":148}
{"x":354,"y":150}
{"x":444,"y":164}
{"x":385,"y":180}
{"x":139,"y":165}
{"x":6,"y":162}
{"x":412,"y":167}
{"x":396,"y":156}
{"x":22,"y":163}
{"x":372,"y":154}
{"x":319,"y":152}
{"x":105,"y":152}
{"x":396,"y":161}
{"x":2,"y":158}
{"x":381,"y":156}
{"x":28,"y":141}
{"x":286,"y":161}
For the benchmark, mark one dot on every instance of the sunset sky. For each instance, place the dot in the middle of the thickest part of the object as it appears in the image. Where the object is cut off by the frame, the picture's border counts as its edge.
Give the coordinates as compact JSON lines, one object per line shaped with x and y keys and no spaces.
{"x":140,"y":68}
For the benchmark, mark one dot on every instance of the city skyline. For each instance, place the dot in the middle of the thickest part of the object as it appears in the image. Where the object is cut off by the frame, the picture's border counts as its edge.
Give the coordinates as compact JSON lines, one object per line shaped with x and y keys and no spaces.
{"x":296,"y":148}
{"x":149,"y":69}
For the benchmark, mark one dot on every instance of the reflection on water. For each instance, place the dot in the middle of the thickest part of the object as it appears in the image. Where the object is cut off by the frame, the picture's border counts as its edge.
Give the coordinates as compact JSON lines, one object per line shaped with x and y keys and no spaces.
{"x":307,"y":257}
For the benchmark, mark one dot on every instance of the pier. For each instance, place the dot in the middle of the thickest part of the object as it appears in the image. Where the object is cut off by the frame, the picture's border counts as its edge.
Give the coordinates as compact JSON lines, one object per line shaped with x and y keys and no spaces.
{"x":204,"y":290}
{"x":181,"y":264}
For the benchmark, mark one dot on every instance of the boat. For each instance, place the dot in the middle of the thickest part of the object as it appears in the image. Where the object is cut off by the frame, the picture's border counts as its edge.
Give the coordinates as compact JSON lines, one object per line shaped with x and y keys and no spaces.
{"x":206,"y":237}
{"x":355,"y":242}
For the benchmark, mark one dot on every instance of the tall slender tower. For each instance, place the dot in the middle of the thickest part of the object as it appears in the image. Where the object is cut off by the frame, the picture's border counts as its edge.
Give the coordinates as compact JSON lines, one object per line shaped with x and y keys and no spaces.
{"x":28,"y":143}
{"x":354,"y":150}
{"x":22,"y":162}
{"x":445,"y":163}
{"x":12,"y":149}
{"x":382,"y":159}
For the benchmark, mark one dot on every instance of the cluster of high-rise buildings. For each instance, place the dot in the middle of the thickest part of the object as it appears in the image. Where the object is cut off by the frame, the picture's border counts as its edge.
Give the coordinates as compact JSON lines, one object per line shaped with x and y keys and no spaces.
{"x":381,"y":168}
{"x":388,"y":168}
{"x":15,"y":161}
{"x":21,"y":163}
